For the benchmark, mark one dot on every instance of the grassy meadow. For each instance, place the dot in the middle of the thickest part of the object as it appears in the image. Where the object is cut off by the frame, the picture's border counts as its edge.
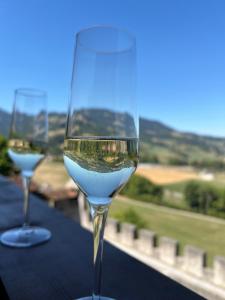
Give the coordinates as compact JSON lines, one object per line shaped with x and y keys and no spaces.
{"x":167,"y":174}
{"x":208,"y":235}
{"x":187,"y":228}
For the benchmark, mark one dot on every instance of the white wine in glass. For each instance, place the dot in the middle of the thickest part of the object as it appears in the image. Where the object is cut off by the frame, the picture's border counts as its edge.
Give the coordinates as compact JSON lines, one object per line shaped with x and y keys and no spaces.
{"x":27,"y":148}
{"x":25,"y":155}
{"x":100,"y":166}
{"x":101,"y":140}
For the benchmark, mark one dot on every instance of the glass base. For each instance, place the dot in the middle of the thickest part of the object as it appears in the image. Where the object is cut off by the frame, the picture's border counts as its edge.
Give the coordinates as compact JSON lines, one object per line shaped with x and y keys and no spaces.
{"x":25,"y":237}
{"x":95,"y":298}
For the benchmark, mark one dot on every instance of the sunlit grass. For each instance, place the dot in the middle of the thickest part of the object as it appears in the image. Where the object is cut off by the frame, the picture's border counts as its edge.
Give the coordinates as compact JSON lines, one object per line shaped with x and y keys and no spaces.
{"x":205,"y":234}
{"x":52,"y":173}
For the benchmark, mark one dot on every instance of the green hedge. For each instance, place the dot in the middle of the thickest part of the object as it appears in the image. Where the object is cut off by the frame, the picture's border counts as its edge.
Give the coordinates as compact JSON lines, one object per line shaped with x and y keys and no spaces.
{"x":132,"y":217}
{"x":6,"y":165}
{"x":204,"y":197}
{"x":201,"y":197}
{"x":142,"y":189}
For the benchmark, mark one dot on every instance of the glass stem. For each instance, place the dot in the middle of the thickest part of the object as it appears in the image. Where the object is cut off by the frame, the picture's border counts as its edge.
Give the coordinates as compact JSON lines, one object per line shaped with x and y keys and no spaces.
{"x":26,"y":186}
{"x":99,"y":215}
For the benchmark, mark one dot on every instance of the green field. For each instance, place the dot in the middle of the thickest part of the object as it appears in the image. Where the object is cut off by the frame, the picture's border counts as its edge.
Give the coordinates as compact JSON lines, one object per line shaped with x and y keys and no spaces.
{"x":208,"y":235}
{"x":200,"y":232}
{"x":218,"y":183}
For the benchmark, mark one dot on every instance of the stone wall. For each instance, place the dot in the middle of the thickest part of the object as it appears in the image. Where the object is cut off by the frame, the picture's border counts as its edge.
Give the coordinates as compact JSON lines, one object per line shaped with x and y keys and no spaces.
{"x":189,"y":269}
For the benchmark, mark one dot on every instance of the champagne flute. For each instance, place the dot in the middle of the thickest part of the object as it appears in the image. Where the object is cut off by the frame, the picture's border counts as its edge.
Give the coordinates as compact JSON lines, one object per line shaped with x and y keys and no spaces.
{"x":101,"y":141}
{"x":27,"y":148}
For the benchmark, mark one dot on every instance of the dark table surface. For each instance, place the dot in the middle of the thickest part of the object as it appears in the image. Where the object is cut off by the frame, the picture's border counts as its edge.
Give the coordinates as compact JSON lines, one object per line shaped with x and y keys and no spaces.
{"x":62,"y":268}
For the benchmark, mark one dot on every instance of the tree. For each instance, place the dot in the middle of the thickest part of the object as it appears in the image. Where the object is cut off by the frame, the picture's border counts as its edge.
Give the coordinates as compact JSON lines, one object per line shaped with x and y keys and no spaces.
{"x":5,"y":163}
{"x":219,"y":205}
{"x":208,"y":195}
{"x":131,"y":216}
{"x":138,"y":186}
{"x":200,"y":196}
{"x":192,"y":194}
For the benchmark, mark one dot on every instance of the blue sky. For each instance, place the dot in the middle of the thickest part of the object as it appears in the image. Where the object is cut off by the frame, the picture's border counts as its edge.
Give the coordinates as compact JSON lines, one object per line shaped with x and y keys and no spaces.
{"x":180,"y":47}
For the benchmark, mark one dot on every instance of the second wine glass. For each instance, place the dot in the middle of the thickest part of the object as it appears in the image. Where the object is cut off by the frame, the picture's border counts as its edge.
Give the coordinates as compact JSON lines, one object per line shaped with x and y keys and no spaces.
{"x":27,"y":148}
{"x":101,"y":145}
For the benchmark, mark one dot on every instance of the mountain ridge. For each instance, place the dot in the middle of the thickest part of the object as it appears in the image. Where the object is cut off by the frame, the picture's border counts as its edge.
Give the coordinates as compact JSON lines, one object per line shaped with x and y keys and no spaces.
{"x":158,"y":141}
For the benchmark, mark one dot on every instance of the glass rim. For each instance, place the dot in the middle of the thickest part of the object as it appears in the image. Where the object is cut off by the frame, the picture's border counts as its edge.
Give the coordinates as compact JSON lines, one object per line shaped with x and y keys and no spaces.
{"x":30,"y":92}
{"x":118,"y":29}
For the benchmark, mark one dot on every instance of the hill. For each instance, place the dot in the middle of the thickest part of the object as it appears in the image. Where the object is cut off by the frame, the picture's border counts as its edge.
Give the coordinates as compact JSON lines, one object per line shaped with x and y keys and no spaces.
{"x":159,"y":142}
{"x":4,"y":122}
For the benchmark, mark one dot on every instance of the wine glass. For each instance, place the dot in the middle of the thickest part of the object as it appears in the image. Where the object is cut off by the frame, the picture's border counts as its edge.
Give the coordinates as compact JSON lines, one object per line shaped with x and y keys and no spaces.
{"x":101,"y":141}
{"x":27,"y":148}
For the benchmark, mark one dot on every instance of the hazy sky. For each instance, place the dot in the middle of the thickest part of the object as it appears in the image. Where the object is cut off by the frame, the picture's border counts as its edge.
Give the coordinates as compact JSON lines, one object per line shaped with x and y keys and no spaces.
{"x":180,"y":46}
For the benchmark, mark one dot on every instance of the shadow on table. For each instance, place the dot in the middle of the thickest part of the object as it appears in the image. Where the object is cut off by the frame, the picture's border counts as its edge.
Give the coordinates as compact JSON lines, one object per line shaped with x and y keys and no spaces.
{"x":3,"y":294}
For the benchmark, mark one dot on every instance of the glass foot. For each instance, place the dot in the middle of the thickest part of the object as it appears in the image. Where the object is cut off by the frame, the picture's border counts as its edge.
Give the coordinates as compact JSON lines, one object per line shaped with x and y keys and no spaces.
{"x":25,"y":237}
{"x":95,"y":298}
